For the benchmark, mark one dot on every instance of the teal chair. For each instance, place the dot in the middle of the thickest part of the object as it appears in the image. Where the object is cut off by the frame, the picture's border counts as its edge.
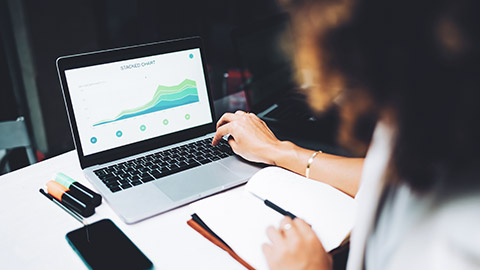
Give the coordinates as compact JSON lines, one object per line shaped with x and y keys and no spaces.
{"x":13,"y":134}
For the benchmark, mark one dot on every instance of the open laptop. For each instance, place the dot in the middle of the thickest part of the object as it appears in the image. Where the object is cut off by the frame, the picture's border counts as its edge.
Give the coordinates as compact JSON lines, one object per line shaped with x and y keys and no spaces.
{"x":142,"y":120}
{"x":262,"y":48}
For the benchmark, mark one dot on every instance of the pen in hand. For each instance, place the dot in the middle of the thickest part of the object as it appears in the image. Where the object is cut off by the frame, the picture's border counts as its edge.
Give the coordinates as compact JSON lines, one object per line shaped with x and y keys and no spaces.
{"x":279,"y":209}
{"x":275,"y":207}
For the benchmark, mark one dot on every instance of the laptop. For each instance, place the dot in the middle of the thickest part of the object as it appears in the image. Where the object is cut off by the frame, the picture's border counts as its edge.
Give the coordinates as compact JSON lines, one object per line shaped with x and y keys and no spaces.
{"x":142,"y":120}
{"x":272,"y":91}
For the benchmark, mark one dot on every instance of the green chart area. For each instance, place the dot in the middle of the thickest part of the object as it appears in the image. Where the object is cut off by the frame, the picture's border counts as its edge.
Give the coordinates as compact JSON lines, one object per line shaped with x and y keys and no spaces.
{"x":165,"y":97}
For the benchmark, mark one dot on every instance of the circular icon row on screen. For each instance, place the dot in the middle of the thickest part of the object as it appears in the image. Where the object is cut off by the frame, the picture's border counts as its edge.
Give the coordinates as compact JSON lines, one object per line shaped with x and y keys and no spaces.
{"x":119,"y":133}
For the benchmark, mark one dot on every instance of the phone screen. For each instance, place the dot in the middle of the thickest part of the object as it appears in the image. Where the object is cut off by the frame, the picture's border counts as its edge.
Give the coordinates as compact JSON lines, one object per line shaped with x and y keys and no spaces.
{"x":102,"y":245}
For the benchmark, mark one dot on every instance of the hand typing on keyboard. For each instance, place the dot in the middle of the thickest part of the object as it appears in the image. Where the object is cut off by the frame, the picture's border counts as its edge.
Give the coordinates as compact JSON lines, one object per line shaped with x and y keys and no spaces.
{"x":250,"y":137}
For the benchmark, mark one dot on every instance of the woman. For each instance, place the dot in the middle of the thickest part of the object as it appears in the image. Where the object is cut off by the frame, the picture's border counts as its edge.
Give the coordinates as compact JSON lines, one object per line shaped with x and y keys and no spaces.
{"x":414,"y":65}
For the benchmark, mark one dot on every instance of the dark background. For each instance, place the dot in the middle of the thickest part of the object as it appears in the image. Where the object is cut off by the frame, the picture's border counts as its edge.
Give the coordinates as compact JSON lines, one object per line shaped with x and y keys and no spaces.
{"x":35,"y":33}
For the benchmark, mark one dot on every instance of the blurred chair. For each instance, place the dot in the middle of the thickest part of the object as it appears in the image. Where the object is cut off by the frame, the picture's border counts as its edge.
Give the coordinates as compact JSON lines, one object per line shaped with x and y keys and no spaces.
{"x":13,"y":134}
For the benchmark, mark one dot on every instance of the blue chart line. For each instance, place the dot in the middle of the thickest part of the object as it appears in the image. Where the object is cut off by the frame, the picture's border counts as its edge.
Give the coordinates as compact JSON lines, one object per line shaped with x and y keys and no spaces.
{"x":165,"y":97}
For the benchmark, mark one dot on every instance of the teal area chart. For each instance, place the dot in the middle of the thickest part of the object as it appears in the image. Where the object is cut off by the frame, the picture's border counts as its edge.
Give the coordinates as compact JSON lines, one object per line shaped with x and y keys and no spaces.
{"x":165,"y":97}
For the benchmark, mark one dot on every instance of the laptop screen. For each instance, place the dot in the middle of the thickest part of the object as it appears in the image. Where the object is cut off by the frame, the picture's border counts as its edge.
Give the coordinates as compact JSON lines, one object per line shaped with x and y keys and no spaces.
{"x":120,"y":103}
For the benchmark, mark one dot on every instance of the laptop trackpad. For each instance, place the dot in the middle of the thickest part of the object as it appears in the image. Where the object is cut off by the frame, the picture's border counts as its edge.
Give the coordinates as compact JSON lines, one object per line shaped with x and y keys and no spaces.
{"x":193,"y":182}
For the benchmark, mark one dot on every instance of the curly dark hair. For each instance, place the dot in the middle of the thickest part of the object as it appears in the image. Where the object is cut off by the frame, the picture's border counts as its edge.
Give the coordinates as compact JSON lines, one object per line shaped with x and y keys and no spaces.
{"x":421,"y":60}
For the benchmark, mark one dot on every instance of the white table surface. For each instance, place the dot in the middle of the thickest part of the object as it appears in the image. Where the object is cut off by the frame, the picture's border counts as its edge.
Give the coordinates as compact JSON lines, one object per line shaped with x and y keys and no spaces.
{"x":32,"y":228}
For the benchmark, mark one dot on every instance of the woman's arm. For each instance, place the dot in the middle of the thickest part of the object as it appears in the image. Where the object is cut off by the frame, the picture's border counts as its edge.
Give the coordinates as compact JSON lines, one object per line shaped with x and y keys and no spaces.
{"x":340,"y":172}
{"x":254,"y":141}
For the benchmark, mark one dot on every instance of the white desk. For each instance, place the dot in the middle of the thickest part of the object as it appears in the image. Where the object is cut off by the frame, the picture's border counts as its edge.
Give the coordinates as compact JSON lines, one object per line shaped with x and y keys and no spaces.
{"x":32,"y":228}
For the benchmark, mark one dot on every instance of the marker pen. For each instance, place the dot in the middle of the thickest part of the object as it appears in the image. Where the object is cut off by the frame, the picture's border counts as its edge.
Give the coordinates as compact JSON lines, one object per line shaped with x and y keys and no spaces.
{"x":63,"y":194}
{"x":78,"y":190}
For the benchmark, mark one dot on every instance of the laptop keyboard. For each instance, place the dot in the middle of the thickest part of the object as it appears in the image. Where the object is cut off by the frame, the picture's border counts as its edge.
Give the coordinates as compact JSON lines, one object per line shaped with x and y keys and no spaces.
{"x":154,"y":166}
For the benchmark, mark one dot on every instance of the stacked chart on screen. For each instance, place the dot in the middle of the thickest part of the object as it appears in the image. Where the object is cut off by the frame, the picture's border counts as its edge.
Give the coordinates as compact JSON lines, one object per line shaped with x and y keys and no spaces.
{"x":165,"y":97}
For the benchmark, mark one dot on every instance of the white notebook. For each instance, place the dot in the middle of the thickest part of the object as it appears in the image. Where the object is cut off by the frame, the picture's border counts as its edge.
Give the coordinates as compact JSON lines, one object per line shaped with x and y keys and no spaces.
{"x":241,"y":219}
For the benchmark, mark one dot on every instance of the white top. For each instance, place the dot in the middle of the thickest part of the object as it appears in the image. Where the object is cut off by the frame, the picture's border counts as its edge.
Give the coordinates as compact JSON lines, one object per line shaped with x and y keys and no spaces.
{"x":429,"y":231}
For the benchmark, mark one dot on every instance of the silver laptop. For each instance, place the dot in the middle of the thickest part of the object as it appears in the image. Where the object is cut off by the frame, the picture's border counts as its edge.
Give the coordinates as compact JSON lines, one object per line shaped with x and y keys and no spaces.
{"x":142,"y":120}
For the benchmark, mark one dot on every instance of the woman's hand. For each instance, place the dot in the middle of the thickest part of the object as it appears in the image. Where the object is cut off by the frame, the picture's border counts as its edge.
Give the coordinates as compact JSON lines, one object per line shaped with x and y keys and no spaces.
{"x":249,"y":136}
{"x":295,"y":246}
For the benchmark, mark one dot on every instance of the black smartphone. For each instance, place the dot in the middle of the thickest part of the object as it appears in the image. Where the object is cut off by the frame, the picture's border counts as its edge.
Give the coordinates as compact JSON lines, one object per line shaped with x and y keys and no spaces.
{"x":102,"y":245}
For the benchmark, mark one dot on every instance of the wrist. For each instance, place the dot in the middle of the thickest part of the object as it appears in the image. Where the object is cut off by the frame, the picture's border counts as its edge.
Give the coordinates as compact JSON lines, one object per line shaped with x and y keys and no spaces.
{"x":283,"y":153}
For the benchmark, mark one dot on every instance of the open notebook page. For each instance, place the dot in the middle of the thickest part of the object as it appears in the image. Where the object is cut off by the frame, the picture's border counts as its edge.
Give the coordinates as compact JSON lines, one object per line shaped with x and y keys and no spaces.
{"x":241,"y":219}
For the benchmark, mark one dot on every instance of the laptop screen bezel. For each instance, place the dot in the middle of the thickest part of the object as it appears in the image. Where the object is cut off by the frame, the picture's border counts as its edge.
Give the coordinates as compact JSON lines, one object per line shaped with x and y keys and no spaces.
{"x":107,"y":56}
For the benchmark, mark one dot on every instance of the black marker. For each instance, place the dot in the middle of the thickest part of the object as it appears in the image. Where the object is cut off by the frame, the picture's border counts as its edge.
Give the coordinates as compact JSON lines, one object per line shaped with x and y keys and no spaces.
{"x":62,"y":194}
{"x":78,"y":190}
{"x":68,"y":210}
